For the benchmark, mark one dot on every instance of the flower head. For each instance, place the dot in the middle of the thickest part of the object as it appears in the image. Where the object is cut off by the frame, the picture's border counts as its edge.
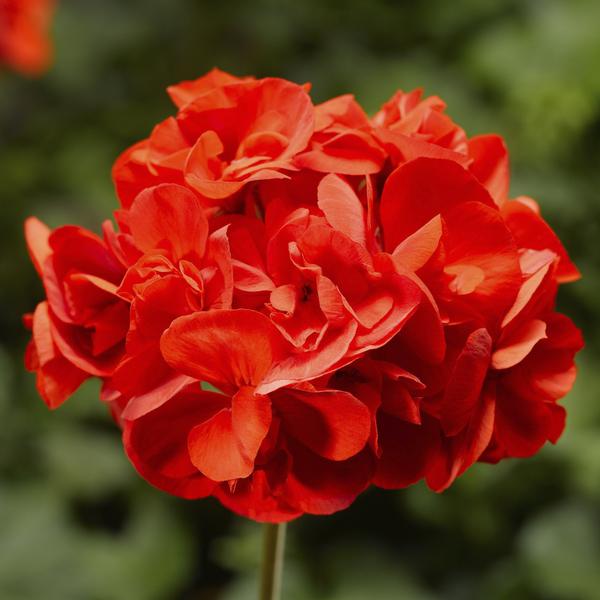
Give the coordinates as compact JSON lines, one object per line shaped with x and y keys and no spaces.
{"x":300,"y":301}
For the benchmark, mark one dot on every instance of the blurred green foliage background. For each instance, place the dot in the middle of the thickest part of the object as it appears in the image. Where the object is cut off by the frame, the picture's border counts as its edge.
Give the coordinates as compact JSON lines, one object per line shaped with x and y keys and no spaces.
{"x":76,"y":523}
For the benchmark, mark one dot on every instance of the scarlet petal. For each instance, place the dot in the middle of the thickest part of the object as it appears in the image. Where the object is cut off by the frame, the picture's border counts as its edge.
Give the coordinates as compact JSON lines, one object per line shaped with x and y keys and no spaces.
{"x":68,"y":341}
{"x":25,"y":44}
{"x":459,"y":452}
{"x":171,"y":217}
{"x":523,"y":425}
{"x":464,"y":388}
{"x":485,"y":267}
{"x":258,"y":497}
{"x":185,"y":92}
{"x":148,"y":381}
{"x":333,"y":424}
{"x":406,"y":450}
{"x":36,"y":236}
{"x":57,"y":377}
{"x":516,"y":345}
{"x":83,"y":251}
{"x":156,"y":443}
{"x":342,"y":109}
{"x":286,"y":107}
{"x":131,"y":175}
{"x":548,"y":372}
{"x":345,"y":151}
{"x":283,"y":298}
{"x":57,"y":380}
{"x":531,"y":231}
{"x":424,"y":331}
{"x":419,"y":190}
{"x":228,"y":348}
{"x":342,"y":208}
{"x":403,"y":148}
{"x":414,"y":251}
{"x":320,"y":486}
{"x":490,"y":165}
{"x":538,"y":274}
{"x":304,"y":366}
{"x":225,"y":446}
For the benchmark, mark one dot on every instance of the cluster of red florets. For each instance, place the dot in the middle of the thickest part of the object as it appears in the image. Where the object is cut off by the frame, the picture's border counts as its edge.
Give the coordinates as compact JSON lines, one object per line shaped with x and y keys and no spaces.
{"x":364,"y":300}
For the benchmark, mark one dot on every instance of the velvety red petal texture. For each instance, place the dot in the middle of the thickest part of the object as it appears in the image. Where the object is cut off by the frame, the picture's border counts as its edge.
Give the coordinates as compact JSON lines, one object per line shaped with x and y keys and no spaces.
{"x":361,"y":296}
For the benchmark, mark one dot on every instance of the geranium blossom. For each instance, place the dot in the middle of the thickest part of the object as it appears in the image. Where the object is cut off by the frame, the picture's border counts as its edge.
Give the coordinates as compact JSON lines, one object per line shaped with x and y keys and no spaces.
{"x":300,"y":301}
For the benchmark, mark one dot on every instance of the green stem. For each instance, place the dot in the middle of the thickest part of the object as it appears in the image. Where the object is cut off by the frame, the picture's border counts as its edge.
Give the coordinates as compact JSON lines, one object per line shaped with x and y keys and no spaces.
{"x":272,"y":565}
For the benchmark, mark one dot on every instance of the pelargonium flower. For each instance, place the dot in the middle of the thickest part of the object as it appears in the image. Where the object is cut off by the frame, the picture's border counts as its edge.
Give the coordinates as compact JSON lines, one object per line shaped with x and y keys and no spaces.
{"x":227,"y":132}
{"x":79,"y":330}
{"x":301,"y":301}
{"x":24,"y":42}
{"x":262,"y":446}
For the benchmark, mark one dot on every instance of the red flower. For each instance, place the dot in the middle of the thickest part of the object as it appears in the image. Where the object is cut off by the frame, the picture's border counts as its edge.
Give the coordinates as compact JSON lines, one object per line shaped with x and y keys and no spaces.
{"x":362,"y":297}
{"x":79,"y":330}
{"x":496,"y":298}
{"x":227,"y":133}
{"x":288,"y":449}
{"x":343,"y":142}
{"x":409,"y":127}
{"x":180,"y":270}
{"x":24,"y":43}
{"x":329,"y":298}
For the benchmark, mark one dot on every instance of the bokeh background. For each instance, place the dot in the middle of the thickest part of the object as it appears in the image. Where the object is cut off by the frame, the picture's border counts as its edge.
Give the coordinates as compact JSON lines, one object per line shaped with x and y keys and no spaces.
{"x":76,"y":523}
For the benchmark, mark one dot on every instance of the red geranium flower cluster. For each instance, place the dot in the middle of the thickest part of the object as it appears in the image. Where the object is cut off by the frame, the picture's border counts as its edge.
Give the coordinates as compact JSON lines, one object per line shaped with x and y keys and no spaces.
{"x":300,"y":301}
{"x":24,"y":42}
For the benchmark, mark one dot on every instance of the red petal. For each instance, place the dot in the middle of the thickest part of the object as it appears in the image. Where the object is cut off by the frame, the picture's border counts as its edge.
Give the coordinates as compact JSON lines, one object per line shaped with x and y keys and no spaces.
{"x":421,"y":189}
{"x":415,"y":251}
{"x":303,"y":366}
{"x":333,"y":424}
{"x":548,"y":372}
{"x":290,"y":110}
{"x":404,"y":148}
{"x":538,"y":273}
{"x":524,"y":425}
{"x":36,"y":236}
{"x":319,"y":486}
{"x":531,"y":231}
{"x":486,"y":266}
{"x":463,"y":390}
{"x":224,"y":447}
{"x":156,"y":443}
{"x":458,"y":453}
{"x":185,"y":92}
{"x":169,"y":217}
{"x":342,"y":208}
{"x":228,"y":348}
{"x":514,"y":347}
{"x":343,"y":110}
{"x":57,"y":378}
{"x":344,"y":151}
{"x":490,"y":165}
{"x":406,"y":450}
{"x":148,"y":381}
{"x":258,"y":497}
